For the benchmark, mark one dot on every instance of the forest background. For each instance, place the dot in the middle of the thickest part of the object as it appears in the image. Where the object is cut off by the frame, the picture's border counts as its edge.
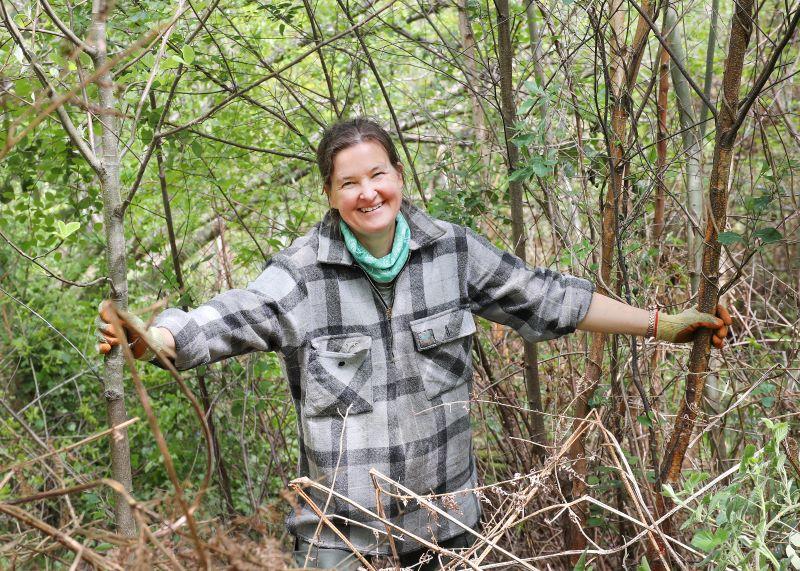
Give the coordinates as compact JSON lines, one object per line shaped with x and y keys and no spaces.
{"x":158,"y":153}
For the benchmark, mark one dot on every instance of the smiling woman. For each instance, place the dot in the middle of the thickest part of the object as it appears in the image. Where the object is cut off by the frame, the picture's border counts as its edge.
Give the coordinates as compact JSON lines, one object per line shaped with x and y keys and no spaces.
{"x":365,"y":181}
{"x":373,"y":312}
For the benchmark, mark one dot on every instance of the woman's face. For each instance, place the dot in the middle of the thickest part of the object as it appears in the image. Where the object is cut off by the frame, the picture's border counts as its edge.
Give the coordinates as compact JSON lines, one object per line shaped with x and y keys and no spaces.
{"x":367,"y":190}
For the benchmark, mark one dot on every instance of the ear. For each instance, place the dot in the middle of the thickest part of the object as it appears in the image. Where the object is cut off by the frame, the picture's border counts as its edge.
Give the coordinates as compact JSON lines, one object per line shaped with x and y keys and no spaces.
{"x":399,"y":168}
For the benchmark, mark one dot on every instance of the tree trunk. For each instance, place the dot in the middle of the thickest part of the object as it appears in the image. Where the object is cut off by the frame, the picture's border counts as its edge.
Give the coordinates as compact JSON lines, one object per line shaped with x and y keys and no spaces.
{"x":661,"y":148}
{"x":553,"y":213}
{"x":114,"y":390}
{"x":690,"y":135}
{"x":727,"y":128}
{"x":509,"y":113}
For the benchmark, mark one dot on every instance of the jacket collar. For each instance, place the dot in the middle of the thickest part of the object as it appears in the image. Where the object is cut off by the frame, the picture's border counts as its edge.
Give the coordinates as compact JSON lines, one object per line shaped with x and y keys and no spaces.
{"x":331,"y":249}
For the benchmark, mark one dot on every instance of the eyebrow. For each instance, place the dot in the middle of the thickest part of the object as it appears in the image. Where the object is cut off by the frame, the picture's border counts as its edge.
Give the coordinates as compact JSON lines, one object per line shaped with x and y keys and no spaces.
{"x":381,"y":166}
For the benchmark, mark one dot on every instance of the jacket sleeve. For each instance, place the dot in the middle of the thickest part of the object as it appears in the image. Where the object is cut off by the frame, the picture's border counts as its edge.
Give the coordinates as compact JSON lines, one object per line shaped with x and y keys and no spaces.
{"x":539,"y":303}
{"x":262,"y":317}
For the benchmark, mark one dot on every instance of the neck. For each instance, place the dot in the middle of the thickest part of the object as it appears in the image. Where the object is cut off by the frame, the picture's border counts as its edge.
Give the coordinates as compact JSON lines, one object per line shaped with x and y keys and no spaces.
{"x":378,"y":245}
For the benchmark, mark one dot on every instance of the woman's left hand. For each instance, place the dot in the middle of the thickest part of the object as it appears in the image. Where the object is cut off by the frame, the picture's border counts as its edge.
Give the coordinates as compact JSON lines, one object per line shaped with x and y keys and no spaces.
{"x":681,"y":328}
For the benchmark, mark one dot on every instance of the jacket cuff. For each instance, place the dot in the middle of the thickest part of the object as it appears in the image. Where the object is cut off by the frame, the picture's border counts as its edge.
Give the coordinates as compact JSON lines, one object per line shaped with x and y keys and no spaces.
{"x":191,"y":346}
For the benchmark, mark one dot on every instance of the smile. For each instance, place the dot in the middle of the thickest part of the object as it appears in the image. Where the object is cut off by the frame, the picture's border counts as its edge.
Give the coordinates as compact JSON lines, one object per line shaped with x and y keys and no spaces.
{"x":371,"y":209}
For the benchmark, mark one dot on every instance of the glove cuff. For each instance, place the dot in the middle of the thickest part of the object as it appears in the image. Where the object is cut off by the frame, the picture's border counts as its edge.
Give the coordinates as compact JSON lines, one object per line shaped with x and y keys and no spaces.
{"x":154,"y":341}
{"x":668,"y":327}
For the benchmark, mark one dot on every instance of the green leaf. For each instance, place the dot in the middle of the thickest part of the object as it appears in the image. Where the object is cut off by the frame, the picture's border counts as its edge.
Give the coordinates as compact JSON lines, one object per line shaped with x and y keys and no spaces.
{"x":187,"y":52}
{"x":581,"y":564}
{"x":645,"y":420}
{"x":520,"y":174}
{"x":644,"y":565}
{"x":64,"y":231}
{"x":540,"y":167}
{"x":23,"y":88}
{"x":768,"y":235}
{"x":729,"y":238}
{"x":704,"y":540}
{"x":780,"y":431}
{"x":794,"y":539}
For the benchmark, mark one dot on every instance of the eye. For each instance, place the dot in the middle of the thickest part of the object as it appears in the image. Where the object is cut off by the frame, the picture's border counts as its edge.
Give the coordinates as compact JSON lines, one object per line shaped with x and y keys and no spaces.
{"x":346,"y":183}
{"x":377,"y":174}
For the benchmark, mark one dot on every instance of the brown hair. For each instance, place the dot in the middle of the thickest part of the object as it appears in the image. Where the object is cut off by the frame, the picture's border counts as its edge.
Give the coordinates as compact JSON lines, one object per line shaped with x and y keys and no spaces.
{"x":344,"y":134}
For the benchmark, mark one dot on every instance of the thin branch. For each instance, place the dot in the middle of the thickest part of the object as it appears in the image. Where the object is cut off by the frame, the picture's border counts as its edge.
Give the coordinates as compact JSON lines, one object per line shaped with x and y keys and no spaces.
{"x":67,"y":32}
{"x":251,"y":148}
{"x":69,"y":127}
{"x":48,"y":271}
{"x":253,"y":85}
{"x":751,"y":97}
{"x":675,"y":60}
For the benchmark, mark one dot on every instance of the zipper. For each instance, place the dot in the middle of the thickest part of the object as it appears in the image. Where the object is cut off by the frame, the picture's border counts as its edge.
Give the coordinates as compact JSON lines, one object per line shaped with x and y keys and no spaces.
{"x":387,"y":309}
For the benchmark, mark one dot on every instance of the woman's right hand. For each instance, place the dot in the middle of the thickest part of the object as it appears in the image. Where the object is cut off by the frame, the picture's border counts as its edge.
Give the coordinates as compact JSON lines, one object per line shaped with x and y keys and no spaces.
{"x":143,"y":341}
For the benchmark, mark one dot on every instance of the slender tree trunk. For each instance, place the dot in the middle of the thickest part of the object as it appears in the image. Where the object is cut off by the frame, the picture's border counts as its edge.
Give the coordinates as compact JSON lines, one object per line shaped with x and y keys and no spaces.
{"x":661,"y":147}
{"x":471,"y":70}
{"x":509,"y":113}
{"x":727,"y":128}
{"x":553,"y":212}
{"x":114,"y":390}
{"x":710,"y":49}
{"x":574,"y":536}
{"x":690,"y":135}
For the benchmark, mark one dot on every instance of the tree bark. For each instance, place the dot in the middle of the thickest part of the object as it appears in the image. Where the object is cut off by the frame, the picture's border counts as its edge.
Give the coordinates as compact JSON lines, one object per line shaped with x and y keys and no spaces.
{"x":108,"y":174}
{"x":690,"y":135}
{"x":727,"y":128}
{"x":661,"y":147}
{"x":509,"y":114}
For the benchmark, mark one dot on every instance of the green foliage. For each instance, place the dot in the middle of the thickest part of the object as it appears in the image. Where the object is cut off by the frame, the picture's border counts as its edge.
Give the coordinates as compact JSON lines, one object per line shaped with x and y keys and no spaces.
{"x":749,"y":522}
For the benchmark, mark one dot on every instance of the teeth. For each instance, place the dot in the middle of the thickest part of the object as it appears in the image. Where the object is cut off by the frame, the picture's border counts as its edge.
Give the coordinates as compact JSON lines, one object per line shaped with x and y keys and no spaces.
{"x":371,"y":209}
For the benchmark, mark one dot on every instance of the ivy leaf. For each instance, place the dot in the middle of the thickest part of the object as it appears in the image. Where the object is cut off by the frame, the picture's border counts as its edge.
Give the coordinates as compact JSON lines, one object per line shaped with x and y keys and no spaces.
{"x":729,"y":238}
{"x":768,"y":235}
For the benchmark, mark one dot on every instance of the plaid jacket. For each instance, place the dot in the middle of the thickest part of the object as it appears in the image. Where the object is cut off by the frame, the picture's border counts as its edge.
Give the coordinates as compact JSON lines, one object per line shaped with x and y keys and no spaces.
{"x":395,"y":380}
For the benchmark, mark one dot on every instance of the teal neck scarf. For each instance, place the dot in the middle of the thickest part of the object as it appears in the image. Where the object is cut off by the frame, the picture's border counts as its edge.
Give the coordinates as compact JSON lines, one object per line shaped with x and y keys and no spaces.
{"x":385,"y":269}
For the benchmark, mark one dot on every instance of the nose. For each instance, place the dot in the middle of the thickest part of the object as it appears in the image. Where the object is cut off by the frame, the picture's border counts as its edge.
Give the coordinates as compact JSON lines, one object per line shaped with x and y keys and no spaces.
{"x":368,"y":192}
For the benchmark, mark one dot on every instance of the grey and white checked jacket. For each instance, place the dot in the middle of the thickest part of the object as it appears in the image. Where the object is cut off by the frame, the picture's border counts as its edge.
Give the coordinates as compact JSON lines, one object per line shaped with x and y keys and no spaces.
{"x":395,"y":380}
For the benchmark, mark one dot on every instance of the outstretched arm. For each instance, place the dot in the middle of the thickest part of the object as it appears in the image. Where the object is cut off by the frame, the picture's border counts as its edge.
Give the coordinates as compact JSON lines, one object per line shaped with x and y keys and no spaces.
{"x":607,"y":315}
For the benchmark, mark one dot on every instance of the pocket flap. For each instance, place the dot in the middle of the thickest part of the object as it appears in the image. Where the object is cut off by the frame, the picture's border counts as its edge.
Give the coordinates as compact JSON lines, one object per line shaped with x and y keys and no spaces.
{"x":346,"y":344}
{"x":446,"y":326}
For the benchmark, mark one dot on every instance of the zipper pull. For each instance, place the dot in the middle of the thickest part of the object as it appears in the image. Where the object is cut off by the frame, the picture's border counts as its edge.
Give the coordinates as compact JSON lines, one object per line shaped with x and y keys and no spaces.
{"x":388,"y":313}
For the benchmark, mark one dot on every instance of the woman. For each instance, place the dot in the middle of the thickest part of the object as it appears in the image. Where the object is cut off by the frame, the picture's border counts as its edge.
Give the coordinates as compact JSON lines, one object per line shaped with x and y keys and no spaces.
{"x":372,"y":311}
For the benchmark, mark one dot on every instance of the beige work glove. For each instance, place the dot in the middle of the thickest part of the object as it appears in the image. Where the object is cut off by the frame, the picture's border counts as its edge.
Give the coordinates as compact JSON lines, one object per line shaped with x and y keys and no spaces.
{"x":682,"y":327}
{"x":144,"y":342}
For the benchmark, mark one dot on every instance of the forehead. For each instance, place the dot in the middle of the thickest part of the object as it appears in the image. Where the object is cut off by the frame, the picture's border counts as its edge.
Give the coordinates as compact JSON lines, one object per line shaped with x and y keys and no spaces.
{"x":358,"y":159}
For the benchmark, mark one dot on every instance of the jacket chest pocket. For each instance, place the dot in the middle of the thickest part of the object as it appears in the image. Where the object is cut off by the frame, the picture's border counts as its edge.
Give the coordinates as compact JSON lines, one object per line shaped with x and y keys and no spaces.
{"x":443,"y":349}
{"x":339,"y":376}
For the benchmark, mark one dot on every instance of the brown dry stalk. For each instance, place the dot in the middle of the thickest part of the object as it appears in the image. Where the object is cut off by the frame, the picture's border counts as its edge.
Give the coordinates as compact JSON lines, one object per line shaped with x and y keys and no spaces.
{"x":64,"y":539}
{"x":86,"y":440}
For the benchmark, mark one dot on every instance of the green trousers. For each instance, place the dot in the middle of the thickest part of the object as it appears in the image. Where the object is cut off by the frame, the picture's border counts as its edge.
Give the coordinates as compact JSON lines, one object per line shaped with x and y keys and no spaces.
{"x":343,"y":560}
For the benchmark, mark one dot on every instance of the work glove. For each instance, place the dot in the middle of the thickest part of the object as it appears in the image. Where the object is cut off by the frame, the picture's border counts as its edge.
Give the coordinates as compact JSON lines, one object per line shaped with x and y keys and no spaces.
{"x":144,"y":342}
{"x":681,"y":328}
